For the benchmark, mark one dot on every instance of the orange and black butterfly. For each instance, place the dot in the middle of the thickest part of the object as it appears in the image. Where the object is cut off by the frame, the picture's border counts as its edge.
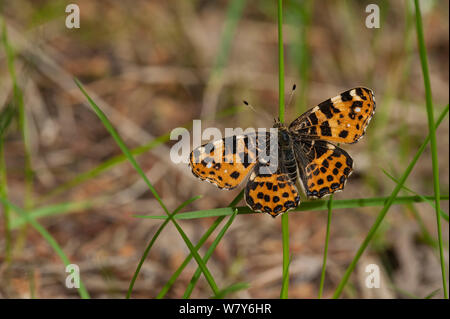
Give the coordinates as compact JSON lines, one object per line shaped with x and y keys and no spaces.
{"x":304,"y":150}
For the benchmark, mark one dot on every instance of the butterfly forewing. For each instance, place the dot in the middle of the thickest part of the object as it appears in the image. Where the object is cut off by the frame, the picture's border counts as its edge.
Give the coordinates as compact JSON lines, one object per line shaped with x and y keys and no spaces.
{"x":341,"y":119}
{"x":228,"y":161}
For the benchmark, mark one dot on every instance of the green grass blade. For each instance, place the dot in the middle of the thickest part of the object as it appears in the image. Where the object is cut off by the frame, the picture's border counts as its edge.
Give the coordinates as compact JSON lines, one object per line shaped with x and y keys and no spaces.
{"x":6,"y":116}
{"x":52,"y":210}
{"x":314,"y":205}
{"x":432,"y":134}
{"x":121,"y":144}
{"x":104,"y":166}
{"x":208,"y":254}
{"x":32,"y":281}
{"x":150,"y":245}
{"x":285,"y":278}
{"x":299,"y":15}
{"x":6,"y":210}
{"x":325,"y":251}
{"x":186,"y":261}
{"x":136,"y":166}
{"x":230,"y":289}
{"x":284,"y":217}
{"x":432,"y":294}
{"x":280,"y":63}
{"x":19,"y":105}
{"x":199,"y":260}
{"x":443,"y":214}
{"x":403,"y":292}
{"x":426,"y":236}
{"x":234,"y":13}
{"x":200,"y":243}
{"x":286,"y":255}
{"x":50,"y":240}
{"x":385,"y":209}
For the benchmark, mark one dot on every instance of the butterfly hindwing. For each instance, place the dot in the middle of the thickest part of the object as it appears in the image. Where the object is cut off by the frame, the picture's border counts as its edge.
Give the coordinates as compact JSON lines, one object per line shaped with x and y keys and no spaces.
{"x":272,"y":193}
{"x":341,"y":119}
{"x":324,"y":167}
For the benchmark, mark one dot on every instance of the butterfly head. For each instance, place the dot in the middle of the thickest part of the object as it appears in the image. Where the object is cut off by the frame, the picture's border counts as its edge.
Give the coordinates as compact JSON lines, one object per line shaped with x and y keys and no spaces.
{"x":277,"y":124}
{"x":283,"y":132}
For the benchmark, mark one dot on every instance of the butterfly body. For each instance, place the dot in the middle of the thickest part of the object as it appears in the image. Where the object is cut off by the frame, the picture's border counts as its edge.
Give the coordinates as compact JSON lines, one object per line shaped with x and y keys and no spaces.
{"x":305,"y":151}
{"x":286,"y":155}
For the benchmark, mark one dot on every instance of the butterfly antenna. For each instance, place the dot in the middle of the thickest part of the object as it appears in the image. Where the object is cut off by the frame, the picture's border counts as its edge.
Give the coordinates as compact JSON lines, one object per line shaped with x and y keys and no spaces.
{"x":291,"y":96}
{"x":257,"y":112}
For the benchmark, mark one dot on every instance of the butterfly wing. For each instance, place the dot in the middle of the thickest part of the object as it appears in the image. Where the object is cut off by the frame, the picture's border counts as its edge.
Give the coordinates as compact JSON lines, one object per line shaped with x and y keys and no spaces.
{"x":341,"y":119}
{"x":324,"y":167}
{"x":225,"y":162}
{"x":272,"y":193}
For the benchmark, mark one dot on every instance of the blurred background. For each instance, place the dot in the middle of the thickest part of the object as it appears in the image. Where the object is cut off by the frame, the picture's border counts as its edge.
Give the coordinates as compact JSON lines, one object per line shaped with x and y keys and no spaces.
{"x":153,"y":66}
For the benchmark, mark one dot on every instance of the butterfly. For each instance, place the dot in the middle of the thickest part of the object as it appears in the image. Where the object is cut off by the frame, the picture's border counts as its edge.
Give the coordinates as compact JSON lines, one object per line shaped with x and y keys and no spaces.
{"x":305,"y":150}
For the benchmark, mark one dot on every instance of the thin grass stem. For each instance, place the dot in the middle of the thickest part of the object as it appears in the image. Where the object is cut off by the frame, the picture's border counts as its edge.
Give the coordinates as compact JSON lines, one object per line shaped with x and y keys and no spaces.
{"x":150,"y":245}
{"x":325,"y":251}
{"x":284,"y":217}
{"x":208,"y":254}
{"x":200,"y":243}
{"x":313,"y":205}
{"x":432,"y":134}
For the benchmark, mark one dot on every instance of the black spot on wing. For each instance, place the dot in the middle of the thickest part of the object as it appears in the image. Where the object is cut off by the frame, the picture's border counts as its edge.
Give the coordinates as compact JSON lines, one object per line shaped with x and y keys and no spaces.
{"x":360,"y":93}
{"x":343,"y":134}
{"x":346,"y":96}
{"x":357,"y":104}
{"x":367,"y":91}
{"x":235,"y":174}
{"x":313,"y":118}
{"x":320,"y":151}
{"x":277,"y":208}
{"x":325,"y":129}
{"x":325,"y":108}
{"x":323,"y":191}
{"x":290,"y":204}
{"x":334,"y":185}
